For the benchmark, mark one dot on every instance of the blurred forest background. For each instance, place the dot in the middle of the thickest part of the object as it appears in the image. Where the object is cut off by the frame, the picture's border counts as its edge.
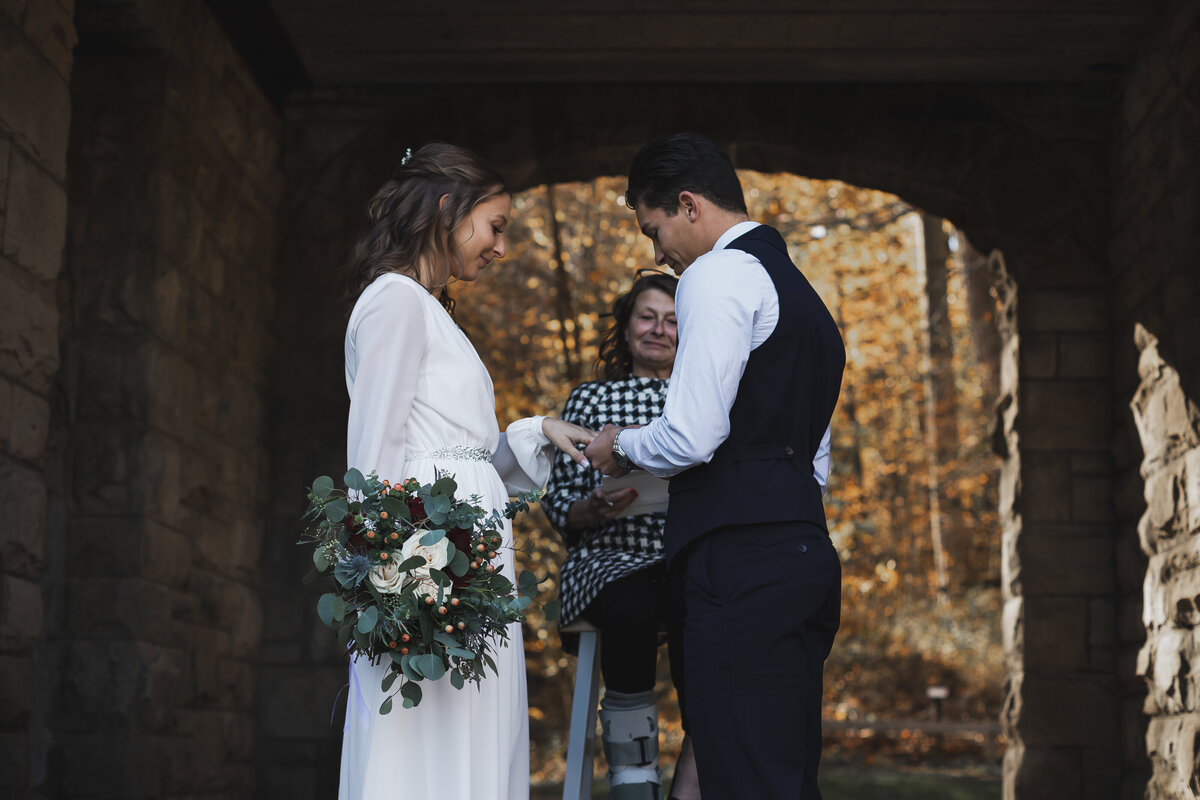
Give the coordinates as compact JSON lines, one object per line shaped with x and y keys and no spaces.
{"x":912,"y":499}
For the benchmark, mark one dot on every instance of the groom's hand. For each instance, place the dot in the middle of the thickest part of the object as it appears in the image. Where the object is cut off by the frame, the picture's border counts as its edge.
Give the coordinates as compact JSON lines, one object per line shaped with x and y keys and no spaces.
{"x":599,"y":452}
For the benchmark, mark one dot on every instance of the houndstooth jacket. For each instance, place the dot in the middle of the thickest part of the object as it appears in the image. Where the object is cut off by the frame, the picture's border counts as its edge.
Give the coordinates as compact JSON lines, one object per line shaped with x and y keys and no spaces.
{"x":596,"y":556}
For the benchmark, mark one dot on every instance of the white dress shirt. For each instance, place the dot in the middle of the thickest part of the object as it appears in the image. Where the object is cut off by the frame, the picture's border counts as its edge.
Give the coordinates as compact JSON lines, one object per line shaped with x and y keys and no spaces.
{"x":726,"y":306}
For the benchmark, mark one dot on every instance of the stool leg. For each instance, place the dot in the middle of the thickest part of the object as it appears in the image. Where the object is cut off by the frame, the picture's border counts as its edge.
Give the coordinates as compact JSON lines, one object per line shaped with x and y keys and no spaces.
{"x":581,"y":742}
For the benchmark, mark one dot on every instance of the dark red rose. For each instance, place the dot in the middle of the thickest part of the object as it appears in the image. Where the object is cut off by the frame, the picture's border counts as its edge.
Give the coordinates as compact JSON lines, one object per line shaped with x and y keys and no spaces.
{"x":416,"y":507}
{"x":461,"y":539}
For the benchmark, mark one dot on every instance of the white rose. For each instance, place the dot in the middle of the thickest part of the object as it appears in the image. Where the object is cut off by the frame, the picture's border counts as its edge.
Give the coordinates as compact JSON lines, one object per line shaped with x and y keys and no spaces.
{"x":427,"y":587}
{"x":436,"y":556}
{"x":387,"y":578}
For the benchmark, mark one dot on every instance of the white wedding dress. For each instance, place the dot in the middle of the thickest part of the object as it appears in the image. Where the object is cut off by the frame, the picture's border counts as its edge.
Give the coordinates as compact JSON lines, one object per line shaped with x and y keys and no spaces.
{"x":420,"y":398}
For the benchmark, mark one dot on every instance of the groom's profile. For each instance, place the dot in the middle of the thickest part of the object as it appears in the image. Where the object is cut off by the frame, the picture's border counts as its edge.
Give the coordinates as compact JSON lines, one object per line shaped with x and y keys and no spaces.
{"x":744,"y":437}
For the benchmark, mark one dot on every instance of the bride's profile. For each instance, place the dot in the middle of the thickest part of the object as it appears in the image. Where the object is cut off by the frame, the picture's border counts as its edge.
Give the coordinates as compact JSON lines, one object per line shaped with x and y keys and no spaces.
{"x":421,"y":400}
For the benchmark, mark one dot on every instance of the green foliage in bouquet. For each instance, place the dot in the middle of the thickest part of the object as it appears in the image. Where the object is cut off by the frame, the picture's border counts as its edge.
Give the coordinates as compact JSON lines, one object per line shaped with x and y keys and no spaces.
{"x":413,"y":578}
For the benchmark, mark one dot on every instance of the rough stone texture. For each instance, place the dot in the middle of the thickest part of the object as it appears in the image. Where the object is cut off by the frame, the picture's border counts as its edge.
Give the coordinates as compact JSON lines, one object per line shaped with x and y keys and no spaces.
{"x":1155,"y":252}
{"x":36,"y":37}
{"x":173,"y":201}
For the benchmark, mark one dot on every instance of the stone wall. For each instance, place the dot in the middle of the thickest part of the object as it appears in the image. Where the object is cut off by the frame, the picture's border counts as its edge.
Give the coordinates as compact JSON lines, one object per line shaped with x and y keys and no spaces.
{"x":36,"y":39}
{"x":154,"y":613}
{"x":1155,"y":252}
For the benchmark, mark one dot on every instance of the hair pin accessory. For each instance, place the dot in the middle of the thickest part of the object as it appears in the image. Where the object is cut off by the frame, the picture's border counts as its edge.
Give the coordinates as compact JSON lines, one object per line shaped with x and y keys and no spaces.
{"x":407,"y":156}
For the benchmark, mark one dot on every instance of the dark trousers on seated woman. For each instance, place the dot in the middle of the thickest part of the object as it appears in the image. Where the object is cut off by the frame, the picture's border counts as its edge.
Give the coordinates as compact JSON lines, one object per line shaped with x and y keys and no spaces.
{"x":761,"y":606}
{"x":629,"y":614}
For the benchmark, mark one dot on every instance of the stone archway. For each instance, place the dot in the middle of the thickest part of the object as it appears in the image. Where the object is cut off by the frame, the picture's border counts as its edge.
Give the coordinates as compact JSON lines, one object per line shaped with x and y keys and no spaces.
{"x":984,"y":159}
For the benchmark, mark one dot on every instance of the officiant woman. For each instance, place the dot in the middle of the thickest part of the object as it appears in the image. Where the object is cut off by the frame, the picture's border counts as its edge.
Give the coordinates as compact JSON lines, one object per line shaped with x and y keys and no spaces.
{"x":614,"y":575}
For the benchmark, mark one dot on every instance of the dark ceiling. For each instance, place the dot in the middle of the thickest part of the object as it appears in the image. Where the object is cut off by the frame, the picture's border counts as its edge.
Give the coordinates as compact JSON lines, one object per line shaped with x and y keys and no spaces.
{"x":343,"y":42}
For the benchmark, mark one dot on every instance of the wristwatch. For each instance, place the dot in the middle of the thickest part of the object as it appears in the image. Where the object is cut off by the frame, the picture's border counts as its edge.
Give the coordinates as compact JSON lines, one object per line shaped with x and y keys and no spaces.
{"x":619,"y":455}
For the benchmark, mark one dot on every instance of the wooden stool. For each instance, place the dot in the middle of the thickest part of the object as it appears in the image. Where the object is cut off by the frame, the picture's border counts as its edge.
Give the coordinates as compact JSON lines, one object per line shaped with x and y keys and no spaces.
{"x":581,"y":741}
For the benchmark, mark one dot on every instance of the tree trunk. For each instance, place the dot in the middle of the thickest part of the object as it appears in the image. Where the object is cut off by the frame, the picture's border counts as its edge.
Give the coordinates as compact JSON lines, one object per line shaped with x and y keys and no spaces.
{"x":940,"y":419}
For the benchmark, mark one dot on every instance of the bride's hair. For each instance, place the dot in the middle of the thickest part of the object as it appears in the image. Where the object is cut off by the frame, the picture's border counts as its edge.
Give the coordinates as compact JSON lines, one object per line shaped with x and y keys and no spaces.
{"x":410,"y":226}
{"x":615,"y":360}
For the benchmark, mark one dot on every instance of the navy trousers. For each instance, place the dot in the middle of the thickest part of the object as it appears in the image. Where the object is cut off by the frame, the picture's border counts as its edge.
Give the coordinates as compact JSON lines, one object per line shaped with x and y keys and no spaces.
{"x":760,"y":606}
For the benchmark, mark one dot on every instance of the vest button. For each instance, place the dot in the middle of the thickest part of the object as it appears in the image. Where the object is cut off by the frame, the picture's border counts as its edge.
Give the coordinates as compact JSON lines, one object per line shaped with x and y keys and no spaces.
{"x":789,"y":451}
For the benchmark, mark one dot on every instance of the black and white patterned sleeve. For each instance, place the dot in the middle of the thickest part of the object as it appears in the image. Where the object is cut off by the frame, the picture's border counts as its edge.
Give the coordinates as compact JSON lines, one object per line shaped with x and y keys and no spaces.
{"x":568,"y":481}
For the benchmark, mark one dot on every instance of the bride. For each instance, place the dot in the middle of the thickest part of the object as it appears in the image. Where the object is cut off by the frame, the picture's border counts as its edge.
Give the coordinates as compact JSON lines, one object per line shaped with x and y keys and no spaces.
{"x":420,"y":401}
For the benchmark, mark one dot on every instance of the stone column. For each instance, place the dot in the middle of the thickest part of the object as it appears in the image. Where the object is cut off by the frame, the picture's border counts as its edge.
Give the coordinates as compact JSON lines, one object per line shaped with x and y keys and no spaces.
{"x":36,"y":40}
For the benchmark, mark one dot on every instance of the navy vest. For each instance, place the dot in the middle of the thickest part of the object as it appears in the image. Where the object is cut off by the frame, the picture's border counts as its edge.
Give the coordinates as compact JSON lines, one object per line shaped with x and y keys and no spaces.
{"x":763,"y":471}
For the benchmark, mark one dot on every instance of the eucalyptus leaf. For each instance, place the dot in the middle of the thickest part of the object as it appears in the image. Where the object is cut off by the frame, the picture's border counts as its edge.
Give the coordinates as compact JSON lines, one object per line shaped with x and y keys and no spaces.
{"x":460,"y":563}
{"x":528,"y":583}
{"x":395,"y":507}
{"x":319,"y":560}
{"x":322,"y":487}
{"x":552,"y":609}
{"x":446,"y":639}
{"x":337,"y":510}
{"x":411,"y":563}
{"x":456,"y":679}
{"x":343,"y":636}
{"x":439,"y":577}
{"x":354,"y":480}
{"x":368,"y":619}
{"x":443,"y":486}
{"x":311,"y":575}
{"x":411,"y":693}
{"x":386,"y":706}
{"x":433,"y":537}
{"x":388,"y":680}
{"x":325,"y":608}
{"x":408,"y":666}
{"x":522,"y":602}
{"x":339,"y":609}
{"x":432,"y":666}
{"x":461,"y":653}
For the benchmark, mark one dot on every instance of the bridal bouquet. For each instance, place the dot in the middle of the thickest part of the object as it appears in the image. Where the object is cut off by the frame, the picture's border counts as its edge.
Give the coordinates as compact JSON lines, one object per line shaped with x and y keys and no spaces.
{"x":413,"y":577}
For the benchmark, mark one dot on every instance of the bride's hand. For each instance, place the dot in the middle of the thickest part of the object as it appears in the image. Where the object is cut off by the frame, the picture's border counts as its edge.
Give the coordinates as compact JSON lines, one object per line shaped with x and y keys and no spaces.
{"x":565,"y":435}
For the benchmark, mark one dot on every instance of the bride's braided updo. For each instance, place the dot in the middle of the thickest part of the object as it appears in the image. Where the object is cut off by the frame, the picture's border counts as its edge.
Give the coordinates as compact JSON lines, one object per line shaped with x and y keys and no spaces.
{"x":409,"y":225}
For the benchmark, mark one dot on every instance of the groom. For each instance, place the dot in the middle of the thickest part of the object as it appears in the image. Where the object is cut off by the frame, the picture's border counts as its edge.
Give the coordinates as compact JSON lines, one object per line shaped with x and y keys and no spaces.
{"x":744,"y":438}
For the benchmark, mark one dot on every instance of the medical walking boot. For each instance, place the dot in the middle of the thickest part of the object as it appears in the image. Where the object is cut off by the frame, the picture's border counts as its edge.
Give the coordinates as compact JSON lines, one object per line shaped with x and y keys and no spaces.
{"x":630,"y":725}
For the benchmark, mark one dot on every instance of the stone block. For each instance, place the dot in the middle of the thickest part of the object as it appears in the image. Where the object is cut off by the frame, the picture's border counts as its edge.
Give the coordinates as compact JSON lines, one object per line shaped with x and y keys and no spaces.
{"x":1045,"y":487}
{"x":28,"y":330}
{"x":1039,"y":355}
{"x":1066,"y":711}
{"x":1073,"y":560}
{"x":1064,"y":415}
{"x":1166,"y":664}
{"x":17,"y":677}
{"x":282,"y":717}
{"x":131,"y":607}
{"x":109,"y":469}
{"x":1170,"y":745}
{"x":1083,"y":355}
{"x":20,"y":612}
{"x":1165,"y":517}
{"x":14,"y":764}
{"x":1102,"y":622}
{"x":22,"y":520}
{"x":1091,"y":499}
{"x":5,"y":151}
{"x":51,"y":29}
{"x":1074,"y":311}
{"x":35,"y":228}
{"x":24,"y":424}
{"x":35,"y":103}
{"x":1043,"y":773}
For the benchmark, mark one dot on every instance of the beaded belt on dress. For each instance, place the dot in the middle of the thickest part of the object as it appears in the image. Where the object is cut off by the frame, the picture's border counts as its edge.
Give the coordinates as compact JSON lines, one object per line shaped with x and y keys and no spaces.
{"x":459,"y":452}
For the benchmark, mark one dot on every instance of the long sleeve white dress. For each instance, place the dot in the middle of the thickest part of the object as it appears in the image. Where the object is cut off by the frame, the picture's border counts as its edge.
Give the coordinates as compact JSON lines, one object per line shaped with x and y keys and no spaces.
{"x":421,"y":399}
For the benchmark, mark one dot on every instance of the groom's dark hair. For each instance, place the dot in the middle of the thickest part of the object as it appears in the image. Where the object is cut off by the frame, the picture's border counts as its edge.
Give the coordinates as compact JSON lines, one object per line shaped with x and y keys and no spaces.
{"x":683,"y":162}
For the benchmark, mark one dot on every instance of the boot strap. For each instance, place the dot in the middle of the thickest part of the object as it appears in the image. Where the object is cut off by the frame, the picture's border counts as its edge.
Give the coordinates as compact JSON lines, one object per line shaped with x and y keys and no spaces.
{"x":638,"y":752}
